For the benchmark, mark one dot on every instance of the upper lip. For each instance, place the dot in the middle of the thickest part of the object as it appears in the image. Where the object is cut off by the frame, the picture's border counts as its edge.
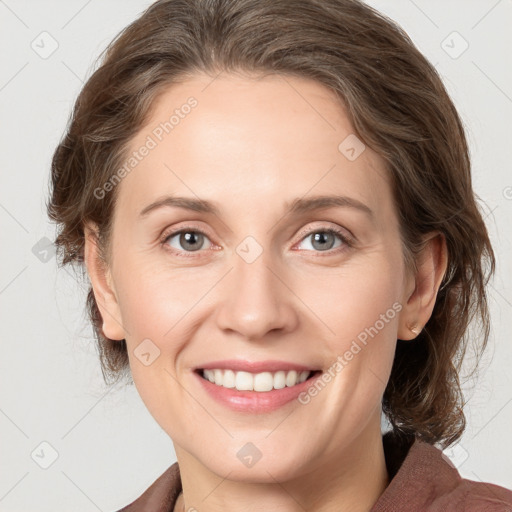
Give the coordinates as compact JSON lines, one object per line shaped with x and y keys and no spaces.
{"x":254,"y":366}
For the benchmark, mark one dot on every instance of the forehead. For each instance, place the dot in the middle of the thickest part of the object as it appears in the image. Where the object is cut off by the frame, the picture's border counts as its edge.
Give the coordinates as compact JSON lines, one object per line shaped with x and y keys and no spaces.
{"x":233,"y":139}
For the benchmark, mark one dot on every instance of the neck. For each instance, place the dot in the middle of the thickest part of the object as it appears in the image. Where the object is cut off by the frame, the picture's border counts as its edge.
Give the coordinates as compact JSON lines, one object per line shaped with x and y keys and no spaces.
{"x":352,"y":480}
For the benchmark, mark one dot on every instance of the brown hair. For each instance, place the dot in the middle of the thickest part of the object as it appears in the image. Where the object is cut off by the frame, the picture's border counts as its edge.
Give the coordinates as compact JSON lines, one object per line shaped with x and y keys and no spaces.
{"x":397,"y":105}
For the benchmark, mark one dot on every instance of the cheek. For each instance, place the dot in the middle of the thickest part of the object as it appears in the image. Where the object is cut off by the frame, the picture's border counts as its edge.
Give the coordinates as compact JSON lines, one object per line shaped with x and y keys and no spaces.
{"x":354,"y":297}
{"x":153,"y":298}
{"x":153,"y":309}
{"x":364,"y":319}
{"x":157,"y":304}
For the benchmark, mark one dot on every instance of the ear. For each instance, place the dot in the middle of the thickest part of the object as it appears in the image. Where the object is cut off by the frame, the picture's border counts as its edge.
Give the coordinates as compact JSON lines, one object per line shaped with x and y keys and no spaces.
{"x":102,"y":285}
{"x":420,"y":298}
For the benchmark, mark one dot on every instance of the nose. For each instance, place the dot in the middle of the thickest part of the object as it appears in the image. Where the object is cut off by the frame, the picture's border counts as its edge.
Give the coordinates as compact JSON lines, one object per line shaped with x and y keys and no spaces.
{"x":256,"y":301}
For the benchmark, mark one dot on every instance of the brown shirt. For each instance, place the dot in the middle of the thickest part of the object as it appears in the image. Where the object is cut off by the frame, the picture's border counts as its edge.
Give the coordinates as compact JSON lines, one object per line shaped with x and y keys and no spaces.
{"x":422,"y":479}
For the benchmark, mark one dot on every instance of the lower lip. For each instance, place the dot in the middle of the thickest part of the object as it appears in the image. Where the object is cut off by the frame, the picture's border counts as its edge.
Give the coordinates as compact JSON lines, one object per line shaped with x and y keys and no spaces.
{"x":255,"y":401}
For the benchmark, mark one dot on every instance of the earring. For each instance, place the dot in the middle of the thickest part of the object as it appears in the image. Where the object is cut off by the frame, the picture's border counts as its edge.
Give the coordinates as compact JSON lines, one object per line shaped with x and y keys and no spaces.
{"x":415,"y":329}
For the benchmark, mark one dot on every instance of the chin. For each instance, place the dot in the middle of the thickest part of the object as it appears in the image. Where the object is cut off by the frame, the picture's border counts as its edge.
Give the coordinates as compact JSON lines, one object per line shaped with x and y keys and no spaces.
{"x":280,"y":465}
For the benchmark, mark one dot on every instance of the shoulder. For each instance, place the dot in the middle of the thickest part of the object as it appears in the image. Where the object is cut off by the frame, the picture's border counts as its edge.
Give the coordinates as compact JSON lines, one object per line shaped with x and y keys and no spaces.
{"x":473,"y":496}
{"x":425,"y":479}
{"x":161,"y":495}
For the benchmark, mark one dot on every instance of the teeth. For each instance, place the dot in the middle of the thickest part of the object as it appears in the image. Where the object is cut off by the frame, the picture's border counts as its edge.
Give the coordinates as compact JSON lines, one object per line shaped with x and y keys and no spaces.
{"x":265,"y":381}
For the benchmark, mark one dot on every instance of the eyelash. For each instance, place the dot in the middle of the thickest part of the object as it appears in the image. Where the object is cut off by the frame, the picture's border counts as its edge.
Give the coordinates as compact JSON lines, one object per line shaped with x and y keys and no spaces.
{"x":347,"y":241}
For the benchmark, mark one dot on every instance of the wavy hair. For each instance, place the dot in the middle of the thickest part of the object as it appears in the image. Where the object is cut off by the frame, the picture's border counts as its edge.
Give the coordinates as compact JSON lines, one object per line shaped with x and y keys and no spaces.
{"x":397,"y":105}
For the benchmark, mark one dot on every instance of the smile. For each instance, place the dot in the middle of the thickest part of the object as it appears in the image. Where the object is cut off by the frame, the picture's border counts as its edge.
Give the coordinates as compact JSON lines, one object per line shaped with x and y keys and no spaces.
{"x":259,"y":382}
{"x":255,"y":393}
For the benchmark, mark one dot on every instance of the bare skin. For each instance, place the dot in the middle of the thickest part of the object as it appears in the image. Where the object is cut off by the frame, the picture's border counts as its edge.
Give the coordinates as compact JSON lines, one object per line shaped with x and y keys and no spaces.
{"x":252,"y":145}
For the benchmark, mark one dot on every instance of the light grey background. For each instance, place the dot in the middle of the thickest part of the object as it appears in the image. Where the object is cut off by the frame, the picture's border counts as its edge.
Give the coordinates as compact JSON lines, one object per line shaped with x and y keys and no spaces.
{"x":108,"y":447}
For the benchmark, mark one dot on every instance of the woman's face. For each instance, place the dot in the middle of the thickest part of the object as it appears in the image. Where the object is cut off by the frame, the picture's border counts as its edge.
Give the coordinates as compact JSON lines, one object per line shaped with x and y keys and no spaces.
{"x":256,"y":276}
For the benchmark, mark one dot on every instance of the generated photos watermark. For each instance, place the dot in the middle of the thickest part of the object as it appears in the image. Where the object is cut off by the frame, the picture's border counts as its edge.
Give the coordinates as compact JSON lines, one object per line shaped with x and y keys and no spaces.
{"x":342,"y":360}
{"x":152,"y":140}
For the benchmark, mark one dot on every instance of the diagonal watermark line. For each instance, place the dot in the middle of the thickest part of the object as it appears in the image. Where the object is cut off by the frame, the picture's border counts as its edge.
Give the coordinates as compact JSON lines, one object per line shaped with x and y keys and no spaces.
{"x":285,"y":418}
{"x":492,"y":81}
{"x":112,"y":316}
{"x":489,"y":213}
{"x":14,"y":218}
{"x":424,"y":13}
{"x":492,"y":418}
{"x":78,"y":422}
{"x":14,"y":423}
{"x":3,"y":3}
{"x":305,"y":194}
{"x":215,"y":487}
{"x":72,"y":71}
{"x":490,"y":487}
{"x":14,"y":76}
{"x":376,"y":376}
{"x":300,"y":300}
{"x":213,"y":286}
{"x":200,"y":404}
{"x":501,"y":295}
{"x":12,"y":280}
{"x":76,"y":14}
{"x":485,"y":15}
{"x":101,"y":510}
{"x":14,"y":485}
{"x":286,"y":491}
{"x":210,"y":83}
{"x":284,"y":78}
{"x":220,"y":220}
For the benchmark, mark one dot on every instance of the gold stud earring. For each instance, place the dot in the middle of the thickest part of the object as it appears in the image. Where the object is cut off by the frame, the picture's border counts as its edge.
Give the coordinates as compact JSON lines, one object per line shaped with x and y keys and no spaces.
{"x":415,"y":329}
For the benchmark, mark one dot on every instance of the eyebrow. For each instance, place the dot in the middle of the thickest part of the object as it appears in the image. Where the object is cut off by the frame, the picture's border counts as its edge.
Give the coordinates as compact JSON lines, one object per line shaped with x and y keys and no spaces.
{"x":297,"y":206}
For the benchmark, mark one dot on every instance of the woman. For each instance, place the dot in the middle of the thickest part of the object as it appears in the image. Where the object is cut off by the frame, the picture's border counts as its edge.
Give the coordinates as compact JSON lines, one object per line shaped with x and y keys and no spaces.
{"x":260,"y":131}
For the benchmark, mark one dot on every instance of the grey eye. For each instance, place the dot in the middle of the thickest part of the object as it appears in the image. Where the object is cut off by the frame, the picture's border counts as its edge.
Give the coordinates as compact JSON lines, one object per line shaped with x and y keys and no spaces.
{"x":322,"y":240}
{"x":189,"y":241}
